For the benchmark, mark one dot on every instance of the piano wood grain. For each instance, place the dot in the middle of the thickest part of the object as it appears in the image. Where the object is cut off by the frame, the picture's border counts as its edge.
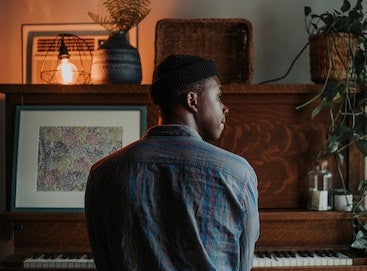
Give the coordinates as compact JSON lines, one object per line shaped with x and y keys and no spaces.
{"x":263,"y":126}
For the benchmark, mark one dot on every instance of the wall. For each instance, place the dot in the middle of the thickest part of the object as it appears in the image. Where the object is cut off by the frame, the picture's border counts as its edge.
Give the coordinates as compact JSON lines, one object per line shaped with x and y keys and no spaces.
{"x":279,"y":32}
{"x":278,"y":25}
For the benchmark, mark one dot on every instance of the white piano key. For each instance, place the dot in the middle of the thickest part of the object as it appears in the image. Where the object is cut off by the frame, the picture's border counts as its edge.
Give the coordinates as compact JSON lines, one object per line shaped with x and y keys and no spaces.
{"x":40,"y":263}
{"x":328,"y":258}
{"x":301,"y":259}
{"x":90,"y":263}
{"x":333,"y":261}
{"x":287,"y":261}
{"x":324,"y":260}
{"x":258,"y":262}
{"x":77,"y":264}
{"x":58,"y":262}
{"x":344,"y":259}
{"x":265,"y":259}
{"x":270,"y":260}
{"x":28,"y":263}
{"x":273,"y":262}
{"x":67,"y":261}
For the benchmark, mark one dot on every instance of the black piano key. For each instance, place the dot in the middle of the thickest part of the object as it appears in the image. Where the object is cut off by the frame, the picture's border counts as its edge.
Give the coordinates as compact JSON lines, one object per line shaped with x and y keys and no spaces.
{"x":73,"y":255}
{"x":320,"y":253}
{"x":68,"y":255}
{"x":330,"y":253}
{"x":333,"y":253}
{"x":278,"y":254}
{"x":302,"y":253}
{"x":51,"y":255}
{"x":79,"y":255}
{"x":260,"y":254}
{"x":326,"y":253}
{"x":37,"y":255}
{"x":291,"y":254}
{"x":267,"y":254}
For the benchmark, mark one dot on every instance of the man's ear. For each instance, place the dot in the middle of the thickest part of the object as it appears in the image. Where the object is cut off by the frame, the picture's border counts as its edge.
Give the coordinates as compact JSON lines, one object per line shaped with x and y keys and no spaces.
{"x":192,"y":100}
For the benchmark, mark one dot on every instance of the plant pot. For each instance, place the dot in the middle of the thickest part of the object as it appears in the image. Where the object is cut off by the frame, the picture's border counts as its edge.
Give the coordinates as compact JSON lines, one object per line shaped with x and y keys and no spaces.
{"x":331,"y":54}
{"x":343,"y":201}
{"x":116,"y":61}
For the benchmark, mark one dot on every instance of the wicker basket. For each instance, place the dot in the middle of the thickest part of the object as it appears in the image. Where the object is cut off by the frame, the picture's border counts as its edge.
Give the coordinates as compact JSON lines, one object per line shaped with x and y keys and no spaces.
{"x":330,"y":52}
{"x":228,"y":42}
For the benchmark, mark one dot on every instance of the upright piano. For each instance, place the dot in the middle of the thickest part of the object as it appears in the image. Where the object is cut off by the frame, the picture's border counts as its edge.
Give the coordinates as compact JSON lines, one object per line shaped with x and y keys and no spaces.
{"x":263,"y":126}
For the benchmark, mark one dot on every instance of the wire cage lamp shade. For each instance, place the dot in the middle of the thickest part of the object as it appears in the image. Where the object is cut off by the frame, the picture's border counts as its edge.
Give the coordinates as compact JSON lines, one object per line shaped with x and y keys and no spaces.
{"x":68,"y":60}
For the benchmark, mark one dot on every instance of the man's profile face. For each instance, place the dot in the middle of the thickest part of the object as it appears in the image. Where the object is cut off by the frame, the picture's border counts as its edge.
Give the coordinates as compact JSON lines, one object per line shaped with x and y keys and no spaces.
{"x":211,"y":115}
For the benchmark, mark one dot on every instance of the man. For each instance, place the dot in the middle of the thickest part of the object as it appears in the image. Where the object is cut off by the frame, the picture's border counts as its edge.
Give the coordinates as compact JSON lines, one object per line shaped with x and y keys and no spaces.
{"x":172,"y":201}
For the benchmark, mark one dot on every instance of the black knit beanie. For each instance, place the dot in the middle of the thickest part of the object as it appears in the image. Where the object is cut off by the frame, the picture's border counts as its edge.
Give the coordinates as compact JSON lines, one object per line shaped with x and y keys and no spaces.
{"x":177,"y":72}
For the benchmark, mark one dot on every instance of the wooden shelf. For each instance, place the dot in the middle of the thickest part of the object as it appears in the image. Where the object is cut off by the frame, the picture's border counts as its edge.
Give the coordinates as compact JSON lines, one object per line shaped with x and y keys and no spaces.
{"x":142,"y":89}
{"x":265,"y":215}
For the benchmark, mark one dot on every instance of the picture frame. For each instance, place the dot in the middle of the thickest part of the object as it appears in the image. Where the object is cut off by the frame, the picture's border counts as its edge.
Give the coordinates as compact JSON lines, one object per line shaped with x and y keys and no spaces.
{"x":32,"y":59}
{"x":55,"y":146}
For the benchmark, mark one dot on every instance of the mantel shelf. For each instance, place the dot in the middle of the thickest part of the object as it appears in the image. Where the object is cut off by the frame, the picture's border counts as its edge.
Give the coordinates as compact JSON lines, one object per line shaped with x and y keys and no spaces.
{"x":142,"y":89}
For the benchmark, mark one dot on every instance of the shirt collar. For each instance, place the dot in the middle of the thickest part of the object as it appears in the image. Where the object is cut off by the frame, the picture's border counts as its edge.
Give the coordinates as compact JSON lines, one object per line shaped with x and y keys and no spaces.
{"x":173,"y":130}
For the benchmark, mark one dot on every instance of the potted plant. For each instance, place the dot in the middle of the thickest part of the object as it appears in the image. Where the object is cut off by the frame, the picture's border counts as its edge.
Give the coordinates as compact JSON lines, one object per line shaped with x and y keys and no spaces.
{"x":360,"y":218}
{"x":116,"y":61}
{"x":342,"y":47}
{"x":334,"y":38}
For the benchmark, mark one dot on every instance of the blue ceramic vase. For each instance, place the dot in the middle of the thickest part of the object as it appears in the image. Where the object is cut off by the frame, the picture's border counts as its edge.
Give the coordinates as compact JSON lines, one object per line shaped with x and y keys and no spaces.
{"x":116,"y":61}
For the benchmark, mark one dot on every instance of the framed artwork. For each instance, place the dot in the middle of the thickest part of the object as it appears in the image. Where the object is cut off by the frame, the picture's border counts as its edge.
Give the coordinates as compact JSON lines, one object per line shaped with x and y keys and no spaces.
{"x":55,"y":146}
{"x":36,"y":38}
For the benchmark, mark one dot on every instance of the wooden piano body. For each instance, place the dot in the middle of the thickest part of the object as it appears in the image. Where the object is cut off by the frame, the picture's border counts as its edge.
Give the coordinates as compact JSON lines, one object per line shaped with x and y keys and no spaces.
{"x":263,"y":126}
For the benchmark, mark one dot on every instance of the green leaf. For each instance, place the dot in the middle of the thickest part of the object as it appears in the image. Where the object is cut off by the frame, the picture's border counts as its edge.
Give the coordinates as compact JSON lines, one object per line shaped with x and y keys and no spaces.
{"x":346,"y":6}
{"x":317,"y":110}
{"x":359,"y":62}
{"x":362,"y":146}
{"x":340,"y":157}
{"x":343,"y":132}
{"x":333,"y":144}
{"x":122,"y":14}
{"x":307,"y":10}
{"x":315,"y":26}
{"x":361,"y":124}
{"x":360,"y":243}
{"x":335,"y":140}
{"x":332,"y":89}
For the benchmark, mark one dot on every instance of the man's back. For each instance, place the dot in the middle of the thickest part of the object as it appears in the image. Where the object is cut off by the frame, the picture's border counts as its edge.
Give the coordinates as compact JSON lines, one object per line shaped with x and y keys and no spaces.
{"x":172,"y":202}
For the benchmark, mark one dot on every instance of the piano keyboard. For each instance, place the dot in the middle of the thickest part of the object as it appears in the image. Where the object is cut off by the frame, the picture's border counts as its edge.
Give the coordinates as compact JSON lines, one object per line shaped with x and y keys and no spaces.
{"x":301,"y":258}
{"x":261,"y":259}
{"x":60,"y":260}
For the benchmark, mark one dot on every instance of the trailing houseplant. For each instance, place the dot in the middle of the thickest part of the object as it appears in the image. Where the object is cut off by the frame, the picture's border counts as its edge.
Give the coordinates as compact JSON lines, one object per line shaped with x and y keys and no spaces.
{"x":344,"y":90}
{"x":116,"y":61}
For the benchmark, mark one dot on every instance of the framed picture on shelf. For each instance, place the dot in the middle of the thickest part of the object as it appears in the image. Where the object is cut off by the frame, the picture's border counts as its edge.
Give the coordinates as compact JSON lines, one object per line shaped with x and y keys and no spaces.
{"x":55,"y":146}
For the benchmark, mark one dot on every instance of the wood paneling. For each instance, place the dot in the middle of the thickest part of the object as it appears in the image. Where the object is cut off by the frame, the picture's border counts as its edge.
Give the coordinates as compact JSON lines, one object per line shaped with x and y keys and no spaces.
{"x":263,"y":126}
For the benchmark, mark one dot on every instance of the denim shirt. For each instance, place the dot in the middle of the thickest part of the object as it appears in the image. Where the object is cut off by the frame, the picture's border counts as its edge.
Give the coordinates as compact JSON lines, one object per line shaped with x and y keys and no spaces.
{"x":172,"y":201}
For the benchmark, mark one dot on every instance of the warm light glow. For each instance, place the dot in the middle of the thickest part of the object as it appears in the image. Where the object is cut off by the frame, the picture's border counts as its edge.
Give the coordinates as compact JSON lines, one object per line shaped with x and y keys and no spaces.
{"x":67,"y":72}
